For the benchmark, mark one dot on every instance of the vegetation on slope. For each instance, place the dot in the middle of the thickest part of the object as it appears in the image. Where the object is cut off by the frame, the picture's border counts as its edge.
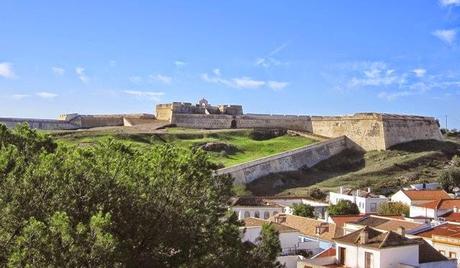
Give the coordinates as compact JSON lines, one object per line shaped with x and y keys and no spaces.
{"x":111,"y":205}
{"x":383,"y":171}
{"x":247,"y":148}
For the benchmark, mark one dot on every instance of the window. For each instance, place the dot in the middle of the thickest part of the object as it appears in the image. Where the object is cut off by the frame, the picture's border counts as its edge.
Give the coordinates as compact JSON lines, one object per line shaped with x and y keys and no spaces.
{"x":452,"y":255}
{"x":257,"y":214}
{"x":373,"y":207}
{"x":266,"y":215}
{"x":442,"y":252}
{"x":369,"y":260}
{"x":246,"y":214}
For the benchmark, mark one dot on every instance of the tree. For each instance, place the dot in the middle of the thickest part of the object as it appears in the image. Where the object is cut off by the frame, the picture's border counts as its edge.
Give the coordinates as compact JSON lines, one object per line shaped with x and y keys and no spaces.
{"x":450,"y":178}
{"x":112,"y":205}
{"x":267,"y":249}
{"x":343,"y":207}
{"x":393,"y":208}
{"x":303,"y":210}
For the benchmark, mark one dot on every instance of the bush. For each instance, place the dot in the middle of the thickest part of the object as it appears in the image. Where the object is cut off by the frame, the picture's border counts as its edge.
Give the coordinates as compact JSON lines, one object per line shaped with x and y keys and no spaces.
{"x":343,"y":207}
{"x":450,"y":178}
{"x":317,"y":194}
{"x":393,"y":208}
{"x":303,"y":210}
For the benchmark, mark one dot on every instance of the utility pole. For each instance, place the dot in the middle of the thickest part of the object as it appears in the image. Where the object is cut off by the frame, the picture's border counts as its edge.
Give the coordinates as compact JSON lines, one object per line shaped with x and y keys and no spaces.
{"x":446,"y":124}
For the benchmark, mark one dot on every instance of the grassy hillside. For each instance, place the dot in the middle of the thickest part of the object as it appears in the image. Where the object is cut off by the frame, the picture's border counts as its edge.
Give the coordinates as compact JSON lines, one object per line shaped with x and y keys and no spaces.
{"x":383,"y":171}
{"x":245,"y":147}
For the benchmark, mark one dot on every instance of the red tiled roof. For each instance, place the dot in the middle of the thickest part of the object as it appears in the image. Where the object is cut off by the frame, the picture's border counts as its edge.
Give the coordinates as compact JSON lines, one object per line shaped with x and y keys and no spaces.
{"x":376,"y":238}
{"x":340,"y":220}
{"x":447,"y":229}
{"x":452,"y":217}
{"x":426,"y":194}
{"x":252,"y":222}
{"x":441,"y":204}
{"x":327,"y":253}
{"x":308,"y":226}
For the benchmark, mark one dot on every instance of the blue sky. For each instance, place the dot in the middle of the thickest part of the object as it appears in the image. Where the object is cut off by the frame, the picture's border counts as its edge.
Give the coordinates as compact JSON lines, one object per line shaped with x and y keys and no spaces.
{"x":279,"y":57}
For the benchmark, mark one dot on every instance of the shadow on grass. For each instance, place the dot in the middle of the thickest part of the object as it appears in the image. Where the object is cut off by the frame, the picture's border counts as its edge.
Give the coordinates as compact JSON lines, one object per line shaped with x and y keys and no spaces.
{"x":447,"y":147}
{"x":340,"y":164}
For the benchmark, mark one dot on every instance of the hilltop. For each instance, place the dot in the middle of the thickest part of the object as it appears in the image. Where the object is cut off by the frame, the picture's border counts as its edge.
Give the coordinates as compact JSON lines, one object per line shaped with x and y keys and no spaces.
{"x":383,"y":171}
{"x":225,"y":147}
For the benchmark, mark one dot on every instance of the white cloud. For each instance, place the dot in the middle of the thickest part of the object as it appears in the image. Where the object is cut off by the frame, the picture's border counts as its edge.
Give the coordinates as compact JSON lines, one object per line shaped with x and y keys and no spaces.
{"x":244,"y":82}
{"x":419,"y":72}
{"x":6,"y":70}
{"x":162,"y":78}
{"x":81,"y":74}
{"x":447,"y":36}
{"x":276,"y":85}
{"x":248,"y":83}
{"x":58,"y":70}
{"x":180,"y":63}
{"x":449,"y":2}
{"x":46,"y":95}
{"x":375,"y":74}
{"x":394,"y":95}
{"x":112,"y":63}
{"x":20,"y":96}
{"x":150,"y":95}
{"x":269,"y":60}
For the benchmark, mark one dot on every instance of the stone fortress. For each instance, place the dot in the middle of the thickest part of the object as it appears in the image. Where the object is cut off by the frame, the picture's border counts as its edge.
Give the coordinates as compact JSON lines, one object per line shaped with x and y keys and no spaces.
{"x":367,"y":131}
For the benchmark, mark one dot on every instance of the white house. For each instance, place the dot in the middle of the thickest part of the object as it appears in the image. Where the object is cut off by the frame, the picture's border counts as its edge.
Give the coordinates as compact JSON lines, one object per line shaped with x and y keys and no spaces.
{"x":411,"y":197}
{"x":255,"y":207}
{"x":366,"y":201}
{"x":435,"y":209}
{"x":371,"y":248}
{"x":265,"y":207}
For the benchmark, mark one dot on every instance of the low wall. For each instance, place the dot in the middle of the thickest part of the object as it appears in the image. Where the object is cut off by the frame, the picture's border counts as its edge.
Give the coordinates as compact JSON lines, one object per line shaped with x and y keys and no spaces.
{"x":209,"y":121}
{"x":45,"y":124}
{"x":292,"y":122}
{"x":292,"y":160}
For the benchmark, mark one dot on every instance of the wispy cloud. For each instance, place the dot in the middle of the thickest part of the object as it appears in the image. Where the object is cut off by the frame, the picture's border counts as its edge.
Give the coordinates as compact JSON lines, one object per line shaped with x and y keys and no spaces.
{"x":46,"y":95}
{"x":145,"y":95}
{"x":446,"y":3}
{"x":375,"y":74}
{"x":58,"y":70}
{"x":269,"y":60}
{"x":180,"y":63}
{"x":162,"y":78}
{"x":419,"y":72}
{"x":19,"y":96}
{"x":6,"y":70}
{"x":448,"y":36}
{"x":244,"y":82}
{"x":81,"y":74}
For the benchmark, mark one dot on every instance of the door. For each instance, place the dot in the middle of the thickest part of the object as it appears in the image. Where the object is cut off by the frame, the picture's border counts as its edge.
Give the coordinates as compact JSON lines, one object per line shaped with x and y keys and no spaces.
{"x":342,"y":255}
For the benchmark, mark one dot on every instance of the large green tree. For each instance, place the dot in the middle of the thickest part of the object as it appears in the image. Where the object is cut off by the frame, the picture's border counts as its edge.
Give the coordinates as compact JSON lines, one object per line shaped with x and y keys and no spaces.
{"x":111,"y":205}
{"x":450,"y":178}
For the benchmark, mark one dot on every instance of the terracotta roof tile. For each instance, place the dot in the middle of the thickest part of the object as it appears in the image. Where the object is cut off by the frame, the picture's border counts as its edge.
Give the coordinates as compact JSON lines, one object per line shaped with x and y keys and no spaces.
{"x":387,"y":224}
{"x":376,"y":238}
{"x":253,"y":222}
{"x":340,"y":220}
{"x":326,"y":253}
{"x":309,"y":227}
{"x":452,"y":217}
{"x":441,"y":204}
{"x":447,"y":229}
{"x":426,"y":194}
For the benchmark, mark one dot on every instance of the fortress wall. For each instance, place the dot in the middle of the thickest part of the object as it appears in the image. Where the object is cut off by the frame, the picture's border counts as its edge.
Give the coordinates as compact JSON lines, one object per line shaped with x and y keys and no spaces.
{"x":292,"y":122}
{"x":367,"y":131}
{"x":296,"y":159}
{"x":209,"y":121}
{"x":164,"y":112}
{"x":44,"y":124}
{"x":399,"y":129}
{"x":90,"y":121}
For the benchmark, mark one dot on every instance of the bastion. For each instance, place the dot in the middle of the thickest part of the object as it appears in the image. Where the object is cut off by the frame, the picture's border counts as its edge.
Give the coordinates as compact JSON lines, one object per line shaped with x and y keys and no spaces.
{"x":368,"y":131}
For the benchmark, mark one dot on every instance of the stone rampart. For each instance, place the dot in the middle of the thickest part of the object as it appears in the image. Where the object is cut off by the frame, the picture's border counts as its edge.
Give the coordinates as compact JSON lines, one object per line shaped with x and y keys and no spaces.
{"x":210,"y":121}
{"x":45,"y":124}
{"x":292,"y":122}
{"x":296,"y":159}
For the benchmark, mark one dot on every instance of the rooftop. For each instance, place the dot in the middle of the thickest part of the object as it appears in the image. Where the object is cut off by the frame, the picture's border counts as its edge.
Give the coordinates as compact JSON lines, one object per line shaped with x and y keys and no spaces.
{"x":376,"y":238}
{"x":446,"y":229}
{"x":340,"y":220}
{"x":441,"y":204}
{"x":309,"y":227}
{"x":387,"y":224}
{"x":251,"y":201}
{"x":426,"y":194}
{"x":254,"y":222}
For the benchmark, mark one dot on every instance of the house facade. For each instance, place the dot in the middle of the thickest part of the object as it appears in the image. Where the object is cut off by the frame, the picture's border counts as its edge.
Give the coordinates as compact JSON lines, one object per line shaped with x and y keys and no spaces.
{"x":366,"y":201}
{"x":414,"y":197}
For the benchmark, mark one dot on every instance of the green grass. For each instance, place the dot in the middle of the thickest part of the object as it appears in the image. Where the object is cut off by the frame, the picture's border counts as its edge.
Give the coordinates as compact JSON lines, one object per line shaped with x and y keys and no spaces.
{"x":383,"y":171}
{"x":248,"y":148}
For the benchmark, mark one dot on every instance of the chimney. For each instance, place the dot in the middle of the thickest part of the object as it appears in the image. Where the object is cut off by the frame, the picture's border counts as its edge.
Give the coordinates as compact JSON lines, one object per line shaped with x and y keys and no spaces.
{"x":364,"y":236}
{"x":341,"y":189}
{"x":455,"y":209}
{"x":401,"y":231}
{"x":369,"y":189}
